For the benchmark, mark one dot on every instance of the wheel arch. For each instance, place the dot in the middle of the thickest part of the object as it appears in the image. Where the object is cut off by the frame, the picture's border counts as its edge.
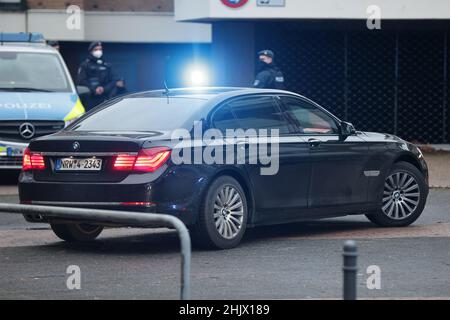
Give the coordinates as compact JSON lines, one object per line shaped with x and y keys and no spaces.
{"x":409,"y":158}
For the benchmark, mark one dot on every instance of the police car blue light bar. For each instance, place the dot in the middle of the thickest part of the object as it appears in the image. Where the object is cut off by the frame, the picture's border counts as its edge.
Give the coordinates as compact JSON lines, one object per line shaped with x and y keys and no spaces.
{"x":22,"y":37}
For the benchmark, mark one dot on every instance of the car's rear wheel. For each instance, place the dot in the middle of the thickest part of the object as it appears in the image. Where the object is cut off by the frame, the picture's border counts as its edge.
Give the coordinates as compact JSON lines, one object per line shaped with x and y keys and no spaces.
{"x":76,"y":232}
{"x":404,"y":197}
{"x":223,"y":216}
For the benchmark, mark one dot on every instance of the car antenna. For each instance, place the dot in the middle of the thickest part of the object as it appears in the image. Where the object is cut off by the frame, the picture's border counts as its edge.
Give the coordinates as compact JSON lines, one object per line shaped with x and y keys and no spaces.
{"x":167,"y":91}
{"x":166,"y":87}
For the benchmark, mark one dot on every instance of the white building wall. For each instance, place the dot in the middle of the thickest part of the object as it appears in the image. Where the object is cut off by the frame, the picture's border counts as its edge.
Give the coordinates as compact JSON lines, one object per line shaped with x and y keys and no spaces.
{"x":53,"y":24}
{"x":107,"y":26}
{"x":12,"y":22}
{"x":207,"y":10}
{"x":143,"y":27}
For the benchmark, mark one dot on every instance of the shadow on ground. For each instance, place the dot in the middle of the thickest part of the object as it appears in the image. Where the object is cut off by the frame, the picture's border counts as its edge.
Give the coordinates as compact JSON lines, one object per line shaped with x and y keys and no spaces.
{"x":168,"y":242}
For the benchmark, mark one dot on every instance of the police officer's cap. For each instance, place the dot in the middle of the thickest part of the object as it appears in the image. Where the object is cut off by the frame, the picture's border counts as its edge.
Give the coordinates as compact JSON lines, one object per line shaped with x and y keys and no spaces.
{"x":267,"y":53}
{"x":93,"y":45}
{"x":53,"y":43}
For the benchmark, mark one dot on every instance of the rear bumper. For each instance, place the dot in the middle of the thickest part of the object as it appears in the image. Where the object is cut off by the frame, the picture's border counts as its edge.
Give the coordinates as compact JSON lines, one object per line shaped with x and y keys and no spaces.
{"x":154,"y":197}
{"x":148,"y":208}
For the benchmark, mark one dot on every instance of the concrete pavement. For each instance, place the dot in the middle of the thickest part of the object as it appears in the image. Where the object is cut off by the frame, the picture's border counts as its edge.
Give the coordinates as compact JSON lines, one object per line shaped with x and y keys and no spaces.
{"x":439,"y":166}
{"x":296,"y":261}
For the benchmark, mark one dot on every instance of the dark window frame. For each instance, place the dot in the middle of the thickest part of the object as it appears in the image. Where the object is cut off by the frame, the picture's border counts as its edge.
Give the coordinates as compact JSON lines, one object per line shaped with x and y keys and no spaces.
{"x":290,"y":125}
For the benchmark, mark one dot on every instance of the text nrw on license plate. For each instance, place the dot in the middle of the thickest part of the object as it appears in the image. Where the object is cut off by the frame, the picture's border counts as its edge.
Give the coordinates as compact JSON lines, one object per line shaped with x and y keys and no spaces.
{"x":71,"y":164}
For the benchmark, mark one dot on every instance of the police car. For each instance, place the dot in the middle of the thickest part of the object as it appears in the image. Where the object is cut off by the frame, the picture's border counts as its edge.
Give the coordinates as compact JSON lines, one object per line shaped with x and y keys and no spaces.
{"x":37,"y":94}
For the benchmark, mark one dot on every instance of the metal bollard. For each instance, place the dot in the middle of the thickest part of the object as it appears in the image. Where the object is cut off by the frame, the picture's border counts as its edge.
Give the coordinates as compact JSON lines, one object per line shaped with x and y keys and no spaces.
{"x":350,"y":270}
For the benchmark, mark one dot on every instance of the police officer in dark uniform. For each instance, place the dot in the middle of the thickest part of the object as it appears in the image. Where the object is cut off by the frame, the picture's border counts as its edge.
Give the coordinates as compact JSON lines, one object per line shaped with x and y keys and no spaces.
{"x":54,"y":44}
{"x":269,"y":75}
{"x":99,"y":77}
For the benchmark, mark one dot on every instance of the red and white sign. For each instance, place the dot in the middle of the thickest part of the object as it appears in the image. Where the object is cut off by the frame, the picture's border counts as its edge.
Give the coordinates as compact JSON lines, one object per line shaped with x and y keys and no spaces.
{"x":234,"y":3}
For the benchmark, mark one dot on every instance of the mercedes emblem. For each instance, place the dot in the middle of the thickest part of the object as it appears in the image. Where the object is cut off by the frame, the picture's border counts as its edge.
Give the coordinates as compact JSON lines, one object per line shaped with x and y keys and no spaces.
{"x":27,"y":130}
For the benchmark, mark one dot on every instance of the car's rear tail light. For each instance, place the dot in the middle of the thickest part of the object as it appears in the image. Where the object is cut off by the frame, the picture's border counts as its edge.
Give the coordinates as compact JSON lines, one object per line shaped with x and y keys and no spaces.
{"x":32,"y":161}
{"x":26,"y":162}
{"x":124,"y":162}
{"x":148,"y":160}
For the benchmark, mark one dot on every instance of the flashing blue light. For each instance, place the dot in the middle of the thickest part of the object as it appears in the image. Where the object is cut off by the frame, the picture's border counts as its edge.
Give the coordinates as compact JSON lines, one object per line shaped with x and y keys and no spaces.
{"x":197,"y":76}
{"x":22,"y":37}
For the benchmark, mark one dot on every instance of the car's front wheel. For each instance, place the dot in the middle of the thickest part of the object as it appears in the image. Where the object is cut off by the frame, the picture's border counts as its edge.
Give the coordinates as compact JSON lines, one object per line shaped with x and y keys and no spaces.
{"x":404,"y":197}
{"x":223,"y":216}
{"x":76,"y":232}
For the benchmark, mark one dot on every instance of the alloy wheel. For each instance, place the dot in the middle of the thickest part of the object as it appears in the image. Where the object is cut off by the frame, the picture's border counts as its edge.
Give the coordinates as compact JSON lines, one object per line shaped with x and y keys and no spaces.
{"x":401,"y":196}
{"x":228,"y":212}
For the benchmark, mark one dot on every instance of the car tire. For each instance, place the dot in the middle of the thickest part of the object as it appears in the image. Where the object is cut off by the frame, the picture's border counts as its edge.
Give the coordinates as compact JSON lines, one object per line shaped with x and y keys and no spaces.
{"x":223,"y":216}
{"x":76,"y":232}
{"x":404,"y":197}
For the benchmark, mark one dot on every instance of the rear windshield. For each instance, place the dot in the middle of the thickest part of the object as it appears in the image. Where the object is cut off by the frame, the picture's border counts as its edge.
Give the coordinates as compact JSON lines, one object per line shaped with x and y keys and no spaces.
{"x":144,"y":115}
{"x":32,"y":71}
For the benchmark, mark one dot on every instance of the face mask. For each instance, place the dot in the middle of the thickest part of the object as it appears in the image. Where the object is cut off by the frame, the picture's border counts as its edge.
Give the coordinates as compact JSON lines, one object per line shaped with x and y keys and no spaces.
{"x":261,"y":65}
{"x":97,"y":54}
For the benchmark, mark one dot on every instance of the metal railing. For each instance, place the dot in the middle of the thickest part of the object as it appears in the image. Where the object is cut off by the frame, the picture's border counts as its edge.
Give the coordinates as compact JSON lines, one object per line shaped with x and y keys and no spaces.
{"x":122,"y":218}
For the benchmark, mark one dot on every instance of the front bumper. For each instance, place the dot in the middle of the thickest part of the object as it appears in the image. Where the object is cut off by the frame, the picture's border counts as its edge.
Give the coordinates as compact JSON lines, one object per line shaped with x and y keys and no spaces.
{"x":11,"y":155}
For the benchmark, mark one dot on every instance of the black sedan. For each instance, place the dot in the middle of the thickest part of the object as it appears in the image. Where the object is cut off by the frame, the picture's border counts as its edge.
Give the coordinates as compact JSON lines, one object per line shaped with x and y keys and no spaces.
{"x":222,"y":160}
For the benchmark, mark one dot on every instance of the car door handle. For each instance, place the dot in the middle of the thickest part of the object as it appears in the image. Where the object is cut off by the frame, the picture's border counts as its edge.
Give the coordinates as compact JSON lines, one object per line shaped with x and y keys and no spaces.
{"x":314,"y":143}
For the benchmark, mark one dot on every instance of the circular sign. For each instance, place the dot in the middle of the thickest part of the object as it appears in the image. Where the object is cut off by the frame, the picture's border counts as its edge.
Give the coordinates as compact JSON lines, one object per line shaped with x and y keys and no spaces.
{"x":234,"y":3}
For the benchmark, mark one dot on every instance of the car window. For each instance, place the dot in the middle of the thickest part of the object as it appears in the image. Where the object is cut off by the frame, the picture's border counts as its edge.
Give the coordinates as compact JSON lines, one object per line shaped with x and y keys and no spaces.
{"x":311,"y":119}
{"x":144,"y":114}
{"x":258,"y":113}
{"x":224,"y":119}
{"x":39,"y":71}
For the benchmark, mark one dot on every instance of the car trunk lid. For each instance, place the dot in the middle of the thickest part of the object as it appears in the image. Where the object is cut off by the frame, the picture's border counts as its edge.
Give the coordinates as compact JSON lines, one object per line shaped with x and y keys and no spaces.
{"x":93,"y":147}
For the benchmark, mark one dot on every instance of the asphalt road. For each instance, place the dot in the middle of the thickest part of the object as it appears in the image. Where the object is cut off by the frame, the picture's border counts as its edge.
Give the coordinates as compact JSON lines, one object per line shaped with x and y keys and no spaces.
{"x":297,"y":261}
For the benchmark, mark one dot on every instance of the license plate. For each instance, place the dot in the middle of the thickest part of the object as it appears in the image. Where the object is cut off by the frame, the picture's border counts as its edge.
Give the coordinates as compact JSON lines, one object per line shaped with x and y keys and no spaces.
{"x":14,"y":152}
{"x":10,"y":152}
{"x":72,"y":164}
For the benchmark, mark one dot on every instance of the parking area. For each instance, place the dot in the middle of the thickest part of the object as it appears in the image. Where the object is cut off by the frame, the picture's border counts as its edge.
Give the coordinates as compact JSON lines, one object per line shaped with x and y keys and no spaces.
{"x":296,"y":261}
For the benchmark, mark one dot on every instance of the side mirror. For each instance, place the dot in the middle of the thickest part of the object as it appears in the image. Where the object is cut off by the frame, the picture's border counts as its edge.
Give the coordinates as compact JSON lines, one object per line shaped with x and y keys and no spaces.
{"x":83,"y":91}
{"x":347,"y":129}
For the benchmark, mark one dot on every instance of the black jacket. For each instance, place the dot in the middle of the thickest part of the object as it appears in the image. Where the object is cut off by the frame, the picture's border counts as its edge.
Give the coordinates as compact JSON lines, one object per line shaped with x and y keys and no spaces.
{"x":269,"y":77}
{"x":94,"y":73}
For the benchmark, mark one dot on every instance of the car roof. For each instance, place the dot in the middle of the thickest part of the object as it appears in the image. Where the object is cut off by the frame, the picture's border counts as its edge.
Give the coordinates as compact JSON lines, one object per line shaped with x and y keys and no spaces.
{"x":206,"y":93}
{"x":26,"y":47}
{"x":210,"y":96}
